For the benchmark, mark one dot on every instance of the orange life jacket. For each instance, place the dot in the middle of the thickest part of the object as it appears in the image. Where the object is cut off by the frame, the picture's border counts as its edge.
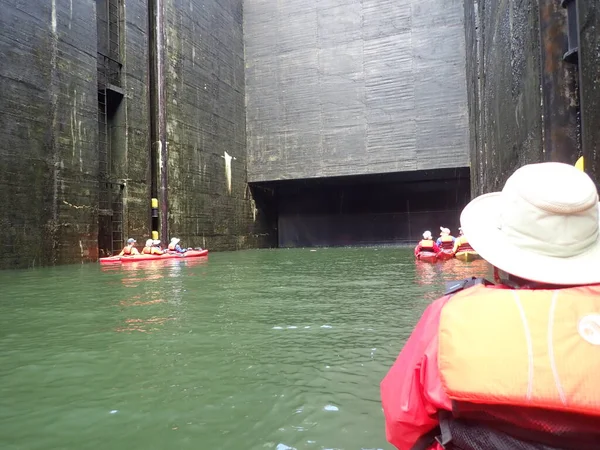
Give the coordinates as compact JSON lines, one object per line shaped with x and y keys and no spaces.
{"x":147,"y":251}
{"x":426,"y":245}
{"x":172,"y":247}
{"x":127,"y":250}
{"x":517,"y":353}
{"x":156,"y":251}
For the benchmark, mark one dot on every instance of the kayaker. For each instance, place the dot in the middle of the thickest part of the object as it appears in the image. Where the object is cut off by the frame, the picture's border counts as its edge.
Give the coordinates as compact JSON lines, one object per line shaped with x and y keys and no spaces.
{"x":461,"y":243}
{"x":426,"y":244}
{"x":445,"y":241}
{"x":156,"y":248}
{"x":129,"y":249}
{"x":512,"y":365}
{"x":147,"y":250}
{"x":175,"y":247}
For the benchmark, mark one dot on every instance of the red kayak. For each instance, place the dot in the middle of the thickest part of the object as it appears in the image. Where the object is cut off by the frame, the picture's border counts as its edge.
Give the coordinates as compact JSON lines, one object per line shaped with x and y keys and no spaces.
{"x":137,"y":258}
{"x":429,"y":257}
{"x":445,"y":255}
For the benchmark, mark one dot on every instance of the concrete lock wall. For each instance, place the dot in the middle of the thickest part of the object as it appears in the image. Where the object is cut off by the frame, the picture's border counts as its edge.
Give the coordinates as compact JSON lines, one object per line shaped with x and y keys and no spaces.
{"x":48,"y":151}
{"x":209,"y":200}
{"x":589,"y":84}
{"x":345,"y":87}
{"x":131,"y":163}
{"x":51,"y":173}
{"x":526,"y":103}
{"x":274,"y":93}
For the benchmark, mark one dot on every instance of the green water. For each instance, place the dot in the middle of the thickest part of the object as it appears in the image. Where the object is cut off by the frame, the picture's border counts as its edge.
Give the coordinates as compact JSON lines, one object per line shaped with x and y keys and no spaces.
{"x":257,"y":350}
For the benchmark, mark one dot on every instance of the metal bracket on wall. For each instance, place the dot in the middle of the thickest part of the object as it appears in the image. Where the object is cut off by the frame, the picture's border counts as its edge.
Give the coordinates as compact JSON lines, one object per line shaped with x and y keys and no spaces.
{"x":571,"y":56}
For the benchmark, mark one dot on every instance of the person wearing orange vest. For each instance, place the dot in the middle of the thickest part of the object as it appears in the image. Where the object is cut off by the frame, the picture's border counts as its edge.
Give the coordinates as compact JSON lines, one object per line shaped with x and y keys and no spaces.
{"x":461,"y":243}
{"x":152,"y":247}
{"x":445,"y":241}
{"x":426,"y":244}
{"x":129,"y":249}
{"x":513,"y":365}
{"x":147,"y":250}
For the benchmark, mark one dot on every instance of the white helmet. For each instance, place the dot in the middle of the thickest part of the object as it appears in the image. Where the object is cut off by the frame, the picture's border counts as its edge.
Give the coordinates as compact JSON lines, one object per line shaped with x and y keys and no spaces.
{"x":427,"y":235}
{"x":149,"y":243}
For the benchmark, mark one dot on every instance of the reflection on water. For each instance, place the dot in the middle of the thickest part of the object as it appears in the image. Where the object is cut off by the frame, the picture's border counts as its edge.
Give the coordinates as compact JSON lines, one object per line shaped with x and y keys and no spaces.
{"x":147,"y":279}
{"x":436,"y":275}
{"x":450,"y":270}
{"x":252,"y":350}
{"x":143,"y":325}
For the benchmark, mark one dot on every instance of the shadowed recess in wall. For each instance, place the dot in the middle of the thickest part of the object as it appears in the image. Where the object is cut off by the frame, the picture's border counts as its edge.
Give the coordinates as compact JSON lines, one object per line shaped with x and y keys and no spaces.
{"x":365,"y":210}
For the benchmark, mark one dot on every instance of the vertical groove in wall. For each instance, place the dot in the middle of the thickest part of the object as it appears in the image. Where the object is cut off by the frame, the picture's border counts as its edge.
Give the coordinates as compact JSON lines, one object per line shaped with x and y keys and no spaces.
{"x":158,"y":124}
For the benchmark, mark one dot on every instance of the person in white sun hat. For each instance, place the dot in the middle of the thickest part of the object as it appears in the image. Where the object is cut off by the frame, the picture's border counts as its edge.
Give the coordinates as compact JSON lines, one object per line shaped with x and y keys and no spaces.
{"x":513,"y":365}
{"x":175,"y":247}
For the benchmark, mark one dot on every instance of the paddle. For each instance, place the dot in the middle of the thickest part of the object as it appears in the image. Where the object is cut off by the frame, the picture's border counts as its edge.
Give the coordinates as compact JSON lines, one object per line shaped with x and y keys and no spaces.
{"x":579,"y":163}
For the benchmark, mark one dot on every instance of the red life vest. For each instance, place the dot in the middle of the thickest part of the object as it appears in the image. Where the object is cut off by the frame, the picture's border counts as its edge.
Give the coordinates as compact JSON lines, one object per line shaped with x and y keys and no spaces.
{"x":521,"y":366}
{"x":426,"y":245}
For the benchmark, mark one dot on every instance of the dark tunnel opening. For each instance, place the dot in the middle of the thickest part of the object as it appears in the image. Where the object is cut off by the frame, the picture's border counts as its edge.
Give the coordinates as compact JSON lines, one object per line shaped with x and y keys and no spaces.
{"x":383,"y":209}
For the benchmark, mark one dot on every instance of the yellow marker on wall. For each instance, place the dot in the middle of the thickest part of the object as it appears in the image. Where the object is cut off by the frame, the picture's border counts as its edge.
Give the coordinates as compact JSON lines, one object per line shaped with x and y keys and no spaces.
{"x":579,"y":164}
{"x":154,"y":206}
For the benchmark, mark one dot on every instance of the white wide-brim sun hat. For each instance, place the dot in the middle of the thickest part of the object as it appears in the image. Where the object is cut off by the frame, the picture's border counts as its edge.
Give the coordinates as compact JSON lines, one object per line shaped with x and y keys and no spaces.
{"x":542,"y":227}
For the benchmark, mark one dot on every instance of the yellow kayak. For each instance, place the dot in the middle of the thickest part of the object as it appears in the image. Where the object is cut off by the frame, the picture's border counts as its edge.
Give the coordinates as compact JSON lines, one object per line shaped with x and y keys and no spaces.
{"x":467,"y":256}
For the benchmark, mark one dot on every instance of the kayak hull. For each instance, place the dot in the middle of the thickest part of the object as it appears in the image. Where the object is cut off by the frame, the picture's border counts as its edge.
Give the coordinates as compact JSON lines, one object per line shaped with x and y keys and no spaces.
{"x":427,"y":257}
{"x":467,"y":256}
{"x":138,"y":258}
{"x":445,"y":255}
{"x":110,"y":260}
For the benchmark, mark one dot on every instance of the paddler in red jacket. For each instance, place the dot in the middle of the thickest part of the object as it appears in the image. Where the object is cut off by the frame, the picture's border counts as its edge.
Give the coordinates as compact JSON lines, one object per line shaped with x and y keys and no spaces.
{"x":515,"y":365}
